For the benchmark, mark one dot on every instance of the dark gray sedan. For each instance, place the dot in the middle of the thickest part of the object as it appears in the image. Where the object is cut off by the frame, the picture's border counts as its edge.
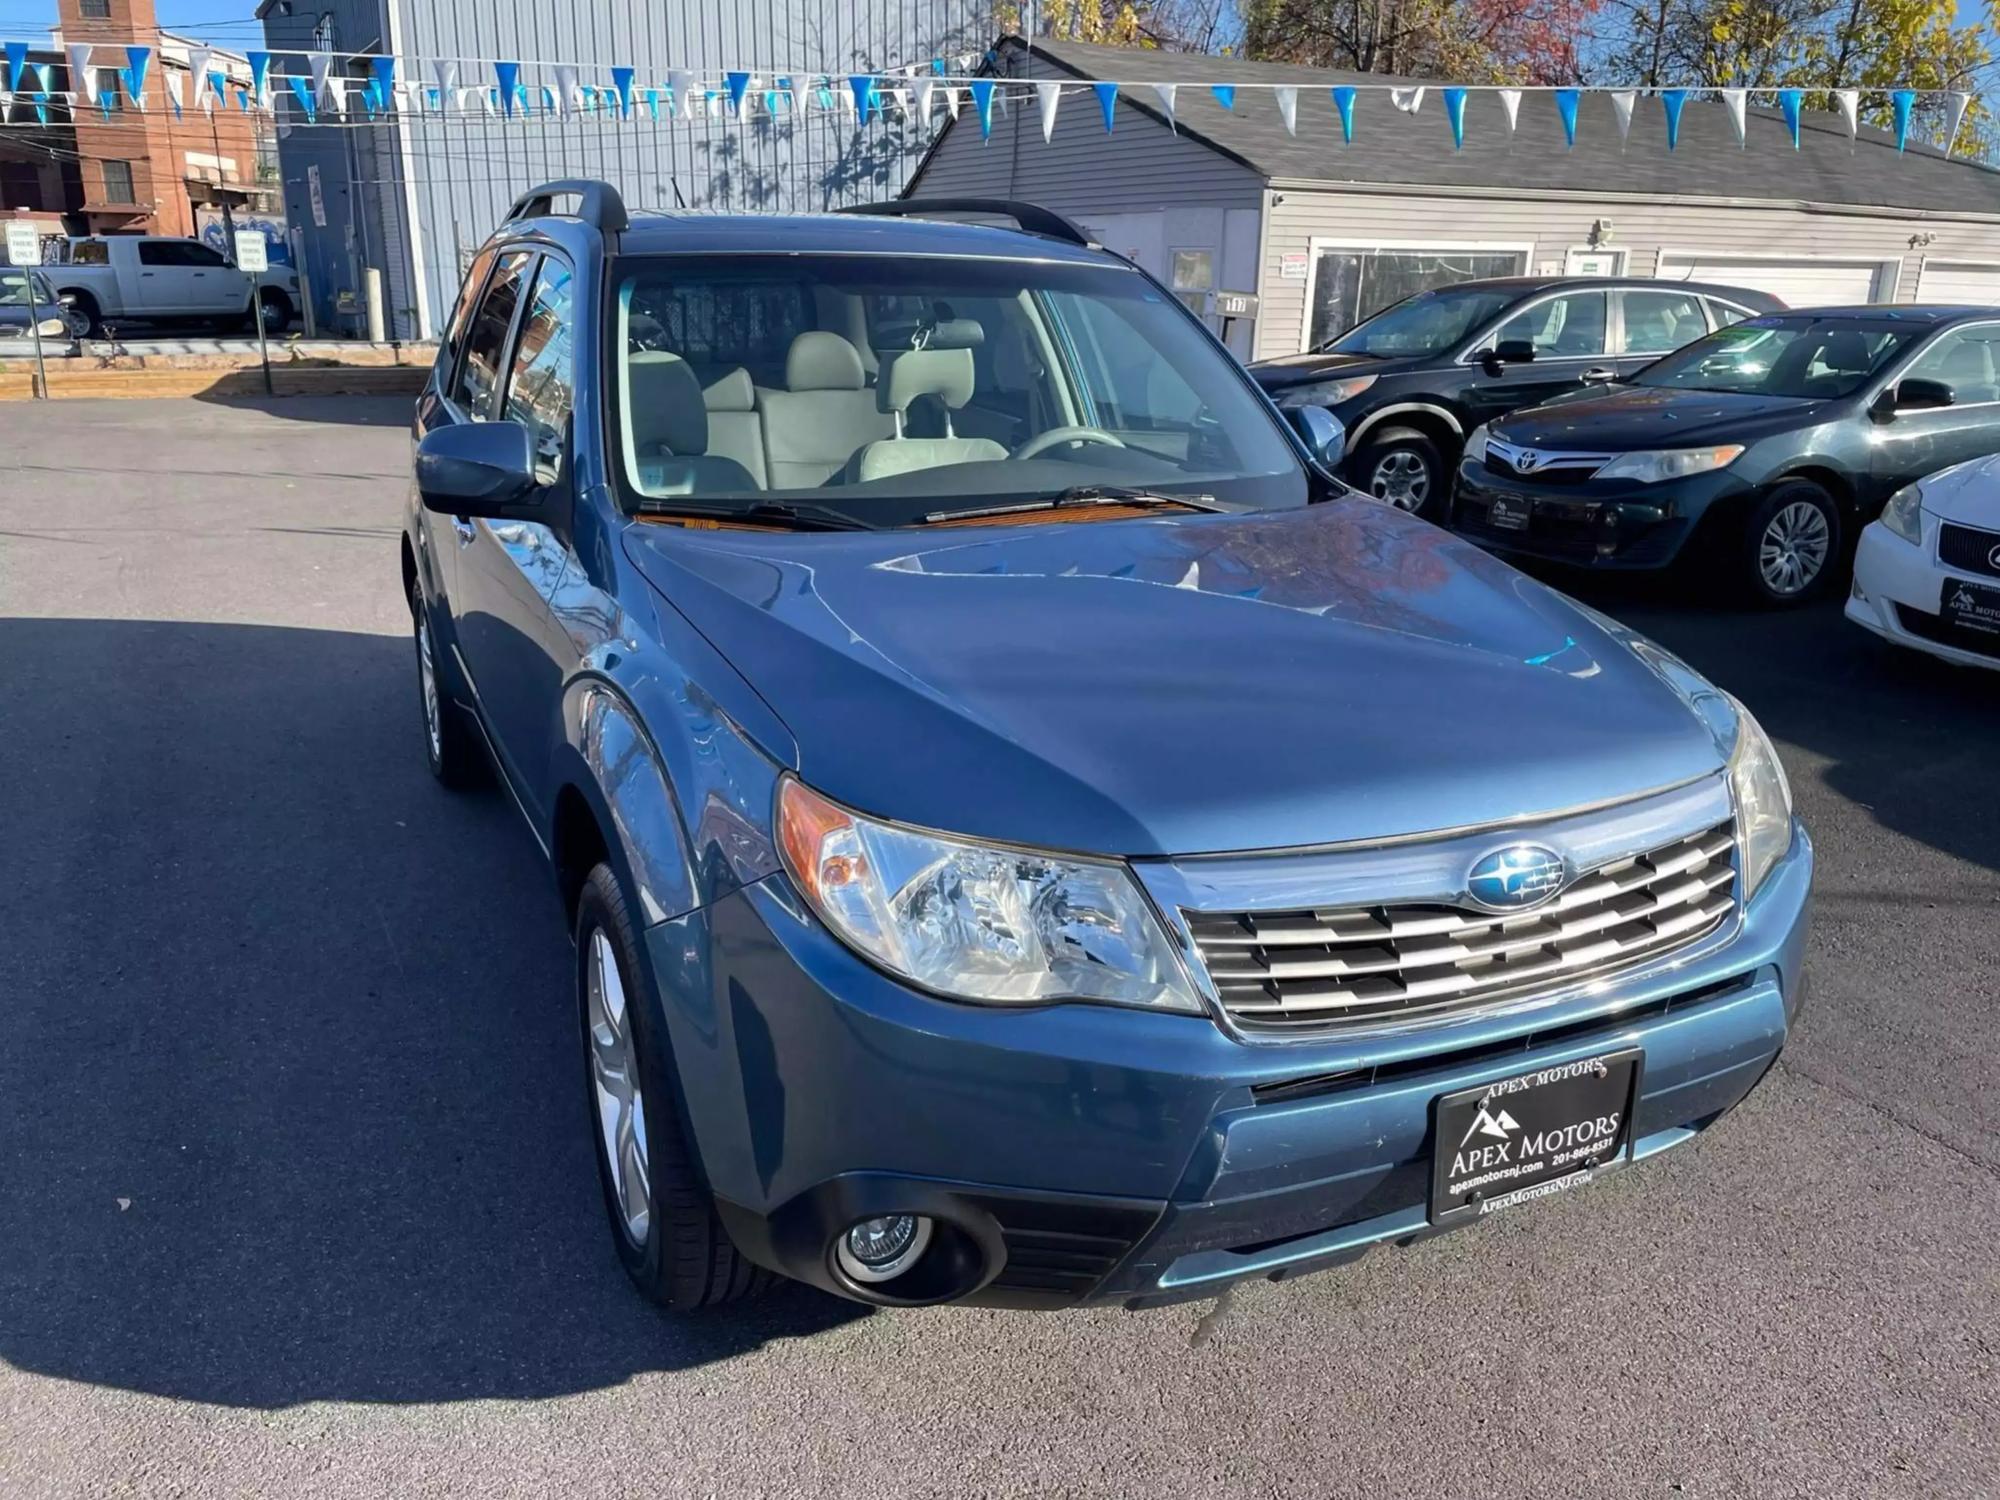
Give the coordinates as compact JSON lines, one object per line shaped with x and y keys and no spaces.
{"x":14,"y":306}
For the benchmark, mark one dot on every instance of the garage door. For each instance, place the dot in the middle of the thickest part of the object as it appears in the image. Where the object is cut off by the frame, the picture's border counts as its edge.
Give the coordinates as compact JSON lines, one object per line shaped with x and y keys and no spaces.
{"x":1959,"y":281}
{"x":1796,"y":283}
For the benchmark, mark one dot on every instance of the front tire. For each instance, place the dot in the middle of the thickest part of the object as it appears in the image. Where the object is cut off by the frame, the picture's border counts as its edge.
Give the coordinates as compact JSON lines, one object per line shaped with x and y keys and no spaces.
{"x":85,"y":308}
{"x":1402,"y":468}
{"x":450,"y":749}
{"x":663,"y":1222}
{"x":1791,"y":549}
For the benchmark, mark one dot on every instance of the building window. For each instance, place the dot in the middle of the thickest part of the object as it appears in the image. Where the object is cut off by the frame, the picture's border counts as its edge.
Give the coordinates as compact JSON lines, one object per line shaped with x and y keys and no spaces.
{"x":1350,"y":285}
{"x":20,"y":185}
{"x":108,"y":88}
{"x":95,"y":10}
{"x":118,"y":182}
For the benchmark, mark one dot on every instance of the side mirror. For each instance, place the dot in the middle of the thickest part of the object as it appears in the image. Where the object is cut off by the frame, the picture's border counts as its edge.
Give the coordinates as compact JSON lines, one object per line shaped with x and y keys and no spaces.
{"x":67,"y":299}
{"x":1514,"y":352}
{"x":477,"y":469}
{"x":1922,"y":395}
{"x":1323,"y":432}
{"x":53,"y":328}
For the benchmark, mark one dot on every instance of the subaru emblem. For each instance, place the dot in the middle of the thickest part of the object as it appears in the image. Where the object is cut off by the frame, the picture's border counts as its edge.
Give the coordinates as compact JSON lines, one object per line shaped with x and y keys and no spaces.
{"x":1516,"y":878}
{"x":1527,"y":460}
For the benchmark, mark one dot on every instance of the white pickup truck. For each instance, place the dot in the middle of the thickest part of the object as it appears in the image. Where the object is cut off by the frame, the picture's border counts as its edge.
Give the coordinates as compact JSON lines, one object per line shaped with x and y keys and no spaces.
{"x":142,"y":278}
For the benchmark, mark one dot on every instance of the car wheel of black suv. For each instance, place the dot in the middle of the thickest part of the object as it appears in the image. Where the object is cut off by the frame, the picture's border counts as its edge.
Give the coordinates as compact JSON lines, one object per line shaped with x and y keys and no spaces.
{"x":1403,"y":468}
{"x":450,"y":749}
{"x":1791,"y":549}
{"x":662,"y":1219}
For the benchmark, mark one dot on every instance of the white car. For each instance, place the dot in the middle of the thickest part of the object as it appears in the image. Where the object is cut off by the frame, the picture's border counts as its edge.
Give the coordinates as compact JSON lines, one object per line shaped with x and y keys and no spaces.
{"x":1927,"y":574}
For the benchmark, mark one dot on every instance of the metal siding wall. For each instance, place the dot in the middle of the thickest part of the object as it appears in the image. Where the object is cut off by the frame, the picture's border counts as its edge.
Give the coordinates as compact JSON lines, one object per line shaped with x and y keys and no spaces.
{"x":467,"y":169}
{"x":1553,"y":226}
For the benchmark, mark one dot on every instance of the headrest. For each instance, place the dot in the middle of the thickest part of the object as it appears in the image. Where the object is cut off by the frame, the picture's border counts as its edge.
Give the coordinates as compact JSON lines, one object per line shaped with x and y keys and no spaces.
{"x":823,"y":362}
{"x":944,"y":373}
{"x":665,"y":401}
{"x":1846,"y":351}
{"x":732,"y":392}
{"x":1970,"y":360}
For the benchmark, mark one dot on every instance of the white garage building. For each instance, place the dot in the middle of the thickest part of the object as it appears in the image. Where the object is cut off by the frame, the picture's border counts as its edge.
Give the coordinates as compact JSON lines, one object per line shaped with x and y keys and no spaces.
{"x":1324,"y":234}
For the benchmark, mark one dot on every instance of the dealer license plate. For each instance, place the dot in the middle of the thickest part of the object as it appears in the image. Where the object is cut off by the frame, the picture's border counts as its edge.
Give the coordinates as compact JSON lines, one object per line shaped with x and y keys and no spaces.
{"x":1529,"y":1137}
{"x":1508,"y":515}
{"x":1970,"y":606}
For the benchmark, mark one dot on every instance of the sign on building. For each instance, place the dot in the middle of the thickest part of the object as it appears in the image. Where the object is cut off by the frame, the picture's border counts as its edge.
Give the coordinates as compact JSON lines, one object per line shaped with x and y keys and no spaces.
{"x":251,"y":256}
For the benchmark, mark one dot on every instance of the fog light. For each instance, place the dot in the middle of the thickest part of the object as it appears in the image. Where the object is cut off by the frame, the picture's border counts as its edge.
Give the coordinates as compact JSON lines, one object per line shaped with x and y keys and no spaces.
{"x":879,"y":1249}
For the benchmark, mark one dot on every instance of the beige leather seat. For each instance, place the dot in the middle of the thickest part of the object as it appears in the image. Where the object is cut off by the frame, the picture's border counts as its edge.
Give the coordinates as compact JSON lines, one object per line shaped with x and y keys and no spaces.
{"x":825,"y":414}
{"x":946,"y":374}
{"x":669,"y":425}
{"x":734,"y":428}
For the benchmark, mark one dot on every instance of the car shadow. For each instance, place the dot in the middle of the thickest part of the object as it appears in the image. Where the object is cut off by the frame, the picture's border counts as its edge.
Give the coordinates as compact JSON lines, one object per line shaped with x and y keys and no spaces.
{"x":356,"y":410}
{"x":289,"y":1076}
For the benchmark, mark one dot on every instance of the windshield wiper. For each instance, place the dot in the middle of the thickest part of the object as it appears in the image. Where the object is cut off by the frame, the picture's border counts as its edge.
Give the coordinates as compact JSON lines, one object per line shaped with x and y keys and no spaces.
{"x":1082,"y":494}
{"x":773,"y":512}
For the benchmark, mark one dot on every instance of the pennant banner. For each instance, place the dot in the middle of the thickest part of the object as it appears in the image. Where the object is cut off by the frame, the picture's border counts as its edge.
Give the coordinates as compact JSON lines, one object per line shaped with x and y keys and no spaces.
{"x":1343,"y":100}
{"x":1566,"y":103}
{"x":82,"y":77}
{"x":138,"y":62}
{"x":508,"y":75}
{"x":1225,"y":94}
{"x":1288,"y":108}
{"x":1048,"y":96}
{"x":17,"y":65}
{"x":1622,"y":102}
{"x":1407,"y":100}
{"x":1959,"y":103}
{"x":1903,"y":101}
{"x":738,"y":85}
{"x":1166,"y":92}
{"x":1107,"y":103}
{"x":1673,"y":101}
{"x":1738,"y":102}
{"x":1510,"y":100}
{"x":1791,"y":101}
{"x":982,"y":99}
{"x":1849,"y":101}
{"x":1454,"y":113}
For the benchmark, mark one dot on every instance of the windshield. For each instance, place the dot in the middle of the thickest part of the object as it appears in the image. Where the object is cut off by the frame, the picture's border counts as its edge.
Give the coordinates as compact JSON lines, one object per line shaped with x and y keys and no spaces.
{"x":1815,"y":359}
{"x":893,"y":391}
{"x":1428,"y":323}
{"x":14,"y":289}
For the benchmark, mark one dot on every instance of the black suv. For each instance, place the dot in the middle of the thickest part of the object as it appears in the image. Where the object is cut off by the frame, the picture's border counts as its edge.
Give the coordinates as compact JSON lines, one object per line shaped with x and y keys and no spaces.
{"x":1412,"y":381}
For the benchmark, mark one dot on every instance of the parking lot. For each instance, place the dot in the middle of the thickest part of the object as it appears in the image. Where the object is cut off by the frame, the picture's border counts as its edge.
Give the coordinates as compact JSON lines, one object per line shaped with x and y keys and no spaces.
{"x":298,"y":1190}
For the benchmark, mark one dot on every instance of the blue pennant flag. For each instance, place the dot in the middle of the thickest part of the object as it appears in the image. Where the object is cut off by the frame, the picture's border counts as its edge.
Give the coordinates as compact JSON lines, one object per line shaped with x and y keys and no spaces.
{"x":140,"y":62}
{"x":1904,"y":100}
{"x":771,"y":103}
{"x":104,"y":97}
{"x":1343,"y":100}
{"x":220,"y":83}
{"x":1566,"y":102}
{"x":260,"y":74}
{"x":1672,"y":101}
{"x":1454,"y":111}
{"x":739,"y":85}
{"x":509,"y":74}
{"x":549,"y":101}
{"x":982,"y":98}
{"x":17,"y":64}
{"x":303,"y":92}
{"x":865,"y":100}
{"x":652,"y":102}
{"x":621,"y":85}
{"x":1789,"y":100}
{"x":41,"y":108}
{"x":1225,"y":94}
{"x":126,"y":83}
{"x":1107,"y":100}
{"x":937,"y":65}
{"x":385,"y":82}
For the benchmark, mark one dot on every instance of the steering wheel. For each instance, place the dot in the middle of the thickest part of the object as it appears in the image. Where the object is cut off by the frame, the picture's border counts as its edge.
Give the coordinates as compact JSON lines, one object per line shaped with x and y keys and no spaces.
{"x":1056,"y":436}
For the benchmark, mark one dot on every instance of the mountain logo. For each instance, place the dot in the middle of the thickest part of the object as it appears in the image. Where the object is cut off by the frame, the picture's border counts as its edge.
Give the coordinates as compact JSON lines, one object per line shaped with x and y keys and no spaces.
{"x":1488,"y":1123}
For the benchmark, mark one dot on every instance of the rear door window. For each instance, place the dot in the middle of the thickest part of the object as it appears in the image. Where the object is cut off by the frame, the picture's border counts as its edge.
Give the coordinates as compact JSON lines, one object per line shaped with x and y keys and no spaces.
{"x":479,"y":375}
{"x":1660,"y":322}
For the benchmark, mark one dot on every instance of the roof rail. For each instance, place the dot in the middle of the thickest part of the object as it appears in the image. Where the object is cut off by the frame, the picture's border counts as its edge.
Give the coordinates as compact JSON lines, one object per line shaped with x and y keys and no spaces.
{"x":1031,"y":217}
{"x":602,"y":209}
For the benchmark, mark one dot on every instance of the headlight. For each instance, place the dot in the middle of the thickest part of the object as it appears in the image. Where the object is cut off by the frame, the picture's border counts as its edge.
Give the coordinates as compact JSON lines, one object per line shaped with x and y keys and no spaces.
{"x":1475,"y":444}
{"x":975,"y":921}
{"x":1670,"y":463}
{"x":1326,"y":392}
{"x":1904,"y":514}
{"x":1763,"y":802}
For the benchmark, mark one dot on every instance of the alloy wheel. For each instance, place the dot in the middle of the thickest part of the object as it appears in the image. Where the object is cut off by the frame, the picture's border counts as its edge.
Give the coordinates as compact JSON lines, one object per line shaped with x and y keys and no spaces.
{"x":1401,"y":478}
{"x":427,"y":674}
{"x":1794,"y":547}
{"x":614,"y":1072}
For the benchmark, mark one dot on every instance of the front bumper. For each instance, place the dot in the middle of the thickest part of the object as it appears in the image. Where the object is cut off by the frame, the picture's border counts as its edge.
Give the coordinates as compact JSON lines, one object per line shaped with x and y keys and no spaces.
{"x":1896,"y":592}
{"x":1622,"y":527}
{"x":1091,"y":1154}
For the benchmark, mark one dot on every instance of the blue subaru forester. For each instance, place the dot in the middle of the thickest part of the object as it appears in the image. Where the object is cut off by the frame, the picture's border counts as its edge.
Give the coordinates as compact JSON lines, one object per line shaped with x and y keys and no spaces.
{"x":1032,"y":837}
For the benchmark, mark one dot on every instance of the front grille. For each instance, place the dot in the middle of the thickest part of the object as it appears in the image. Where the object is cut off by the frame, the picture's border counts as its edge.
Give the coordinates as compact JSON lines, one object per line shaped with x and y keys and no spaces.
{"x":1968,"y":550}
{"x":1938,"y":629}
{"x":1285,"y":970}
{"x":1555,"y":474}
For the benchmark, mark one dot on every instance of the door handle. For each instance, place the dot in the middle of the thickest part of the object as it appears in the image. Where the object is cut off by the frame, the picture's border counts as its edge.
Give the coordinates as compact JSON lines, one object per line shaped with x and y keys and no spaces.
{"x":1600,"y":372}
{"x":462,"y":529}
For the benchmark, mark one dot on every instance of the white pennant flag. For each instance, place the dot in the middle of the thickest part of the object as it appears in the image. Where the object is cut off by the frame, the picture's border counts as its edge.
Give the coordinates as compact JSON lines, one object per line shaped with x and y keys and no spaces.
{"x":204,"y":91}
{"x":1737,"y":100}
{"x":336,"y":93}
{"x":1407,"y":100}
{"x":1958,"y":104}
{"x":81,"y":75}
{"x":173,"y":82}
{"x":1049,"y":96}
{"x":925,"y":87}
{"x":1622,"y":101}
{"x":447,"y":84}
{"x":1288,"y":108}
{"x":681,"y":83}
{"x":463,"y":101}
{"x":567,"y":95}
{"x":1166,"y":91}
{"x":1510,"y":100}
{"x":951,"y":100}
{"x":1850,"y":109}
{"x":321,"y":64}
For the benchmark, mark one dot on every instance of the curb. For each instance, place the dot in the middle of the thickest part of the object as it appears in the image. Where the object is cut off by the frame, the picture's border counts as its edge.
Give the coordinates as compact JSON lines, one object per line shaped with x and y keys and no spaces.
{"x":151,"y":384}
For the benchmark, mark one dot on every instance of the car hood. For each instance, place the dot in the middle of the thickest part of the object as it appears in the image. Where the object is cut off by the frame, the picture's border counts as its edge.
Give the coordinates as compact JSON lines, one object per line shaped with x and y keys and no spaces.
{"x":1630,"y":418}
{"x":1289,"y":370}
{"x":1179,"y":685}
{"x":1968,"y":493}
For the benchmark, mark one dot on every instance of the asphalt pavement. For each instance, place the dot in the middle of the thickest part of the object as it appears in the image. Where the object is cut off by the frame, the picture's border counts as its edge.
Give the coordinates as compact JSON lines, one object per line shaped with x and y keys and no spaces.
{"x":296,"y":1195}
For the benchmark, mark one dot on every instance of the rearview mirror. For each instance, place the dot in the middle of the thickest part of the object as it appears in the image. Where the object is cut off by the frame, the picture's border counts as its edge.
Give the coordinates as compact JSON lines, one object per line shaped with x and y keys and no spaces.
{"x":477,"y":469}
{"x":1323,"y":432}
